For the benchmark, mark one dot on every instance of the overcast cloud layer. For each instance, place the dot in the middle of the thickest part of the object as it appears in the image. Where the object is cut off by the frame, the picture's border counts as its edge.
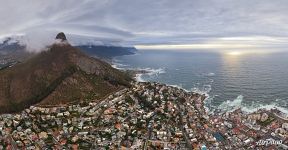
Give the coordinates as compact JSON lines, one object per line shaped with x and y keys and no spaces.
{"x":138,"y":22}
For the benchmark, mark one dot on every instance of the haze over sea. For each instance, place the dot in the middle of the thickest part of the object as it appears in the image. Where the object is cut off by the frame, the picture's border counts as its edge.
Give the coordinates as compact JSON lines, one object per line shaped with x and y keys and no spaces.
{"x":232,"y":80}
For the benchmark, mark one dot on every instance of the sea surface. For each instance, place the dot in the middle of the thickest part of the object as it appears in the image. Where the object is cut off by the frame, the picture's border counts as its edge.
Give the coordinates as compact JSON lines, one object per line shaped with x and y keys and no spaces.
{"x":249,"y":82}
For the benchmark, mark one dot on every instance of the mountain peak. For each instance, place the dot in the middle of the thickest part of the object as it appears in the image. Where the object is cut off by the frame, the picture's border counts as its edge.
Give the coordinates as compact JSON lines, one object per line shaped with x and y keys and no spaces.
{"x":61,"y":36}
{"x":60,"y":75}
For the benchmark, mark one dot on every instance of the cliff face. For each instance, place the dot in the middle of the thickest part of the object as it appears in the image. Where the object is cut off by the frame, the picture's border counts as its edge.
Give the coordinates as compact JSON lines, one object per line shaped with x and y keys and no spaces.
{"x":60,"y":75}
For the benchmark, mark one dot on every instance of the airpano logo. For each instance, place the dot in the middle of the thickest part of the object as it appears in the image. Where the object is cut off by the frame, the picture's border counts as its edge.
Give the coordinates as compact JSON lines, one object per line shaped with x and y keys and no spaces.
{"x":268,"y":142}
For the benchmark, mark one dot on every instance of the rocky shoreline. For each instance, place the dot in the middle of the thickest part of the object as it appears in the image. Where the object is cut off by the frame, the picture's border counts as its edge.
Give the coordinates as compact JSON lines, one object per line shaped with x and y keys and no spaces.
{"x":145,"y":116}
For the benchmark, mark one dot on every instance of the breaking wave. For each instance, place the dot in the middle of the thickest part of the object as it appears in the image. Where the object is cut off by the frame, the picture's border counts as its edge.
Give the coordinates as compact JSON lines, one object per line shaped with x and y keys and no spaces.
{"x":228,"y":106}
{"x":211,"y":74}
{"x":139,"y":76}
{"x":118,"y":66}
{"x":180,"y":86}
{"x":205,"y":91}
{"x":150,"y":72}
{"x":231,"y":105}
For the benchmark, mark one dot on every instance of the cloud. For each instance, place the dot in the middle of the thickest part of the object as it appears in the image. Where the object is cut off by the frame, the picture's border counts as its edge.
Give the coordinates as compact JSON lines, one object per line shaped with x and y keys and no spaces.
{"x":143,"y":22}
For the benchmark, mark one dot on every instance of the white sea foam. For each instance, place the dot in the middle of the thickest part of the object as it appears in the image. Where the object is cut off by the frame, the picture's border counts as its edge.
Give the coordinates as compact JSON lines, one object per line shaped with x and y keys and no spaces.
{"x":114,"y":66}
{"x":231,"y":105}
{"x":207,"y":88}
{"x":211,"y":74}
{"x":180,"y":86}
{"x":139,"y":78}
{"x":267,"y":107}
{"x":150,"y":72}
{"x":204,"y":90}
{"x":119,"y":66}
{"x":228,"y":106}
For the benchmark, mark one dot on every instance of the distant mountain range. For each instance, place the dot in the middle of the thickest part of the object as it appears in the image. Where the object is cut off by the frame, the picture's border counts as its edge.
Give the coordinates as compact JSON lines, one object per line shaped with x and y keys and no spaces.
{"x":107,"y":52}
{"x":12,"y":50}
{"x":61,"y":75}
{"x":10,"y":46}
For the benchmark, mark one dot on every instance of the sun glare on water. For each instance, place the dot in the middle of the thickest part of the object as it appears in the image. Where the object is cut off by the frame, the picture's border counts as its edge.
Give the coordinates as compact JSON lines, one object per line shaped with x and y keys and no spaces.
{"x":235,"y":53}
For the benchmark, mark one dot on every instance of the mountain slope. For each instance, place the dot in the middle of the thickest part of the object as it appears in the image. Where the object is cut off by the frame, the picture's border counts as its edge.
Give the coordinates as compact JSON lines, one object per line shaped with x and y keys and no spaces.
{"x":60,"y":75}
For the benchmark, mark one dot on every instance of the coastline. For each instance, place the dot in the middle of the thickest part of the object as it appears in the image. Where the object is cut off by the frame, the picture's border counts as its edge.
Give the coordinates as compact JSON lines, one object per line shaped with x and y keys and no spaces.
{"x":139,"y":72}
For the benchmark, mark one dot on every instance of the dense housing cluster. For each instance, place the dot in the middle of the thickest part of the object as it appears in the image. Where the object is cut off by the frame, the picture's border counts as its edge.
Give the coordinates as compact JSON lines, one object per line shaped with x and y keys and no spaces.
{"x":145,"y":116}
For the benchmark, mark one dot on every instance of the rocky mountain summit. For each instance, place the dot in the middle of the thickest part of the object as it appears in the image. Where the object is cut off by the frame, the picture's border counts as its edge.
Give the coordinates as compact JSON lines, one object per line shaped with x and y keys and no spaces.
{"x":60,"y":75}
{"x":61,"y":36}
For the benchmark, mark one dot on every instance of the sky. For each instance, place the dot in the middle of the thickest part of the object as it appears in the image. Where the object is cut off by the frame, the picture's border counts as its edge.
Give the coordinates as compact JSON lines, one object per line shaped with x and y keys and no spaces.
{"x":149,"y":24}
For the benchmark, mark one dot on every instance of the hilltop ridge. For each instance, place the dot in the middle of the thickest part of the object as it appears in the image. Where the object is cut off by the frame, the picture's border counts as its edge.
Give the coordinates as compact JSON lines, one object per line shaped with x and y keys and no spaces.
{"x":60,"y":75}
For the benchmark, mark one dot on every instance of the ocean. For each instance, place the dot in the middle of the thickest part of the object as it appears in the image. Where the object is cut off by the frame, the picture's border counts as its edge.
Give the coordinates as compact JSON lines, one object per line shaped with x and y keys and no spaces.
{"x":249,"y":81}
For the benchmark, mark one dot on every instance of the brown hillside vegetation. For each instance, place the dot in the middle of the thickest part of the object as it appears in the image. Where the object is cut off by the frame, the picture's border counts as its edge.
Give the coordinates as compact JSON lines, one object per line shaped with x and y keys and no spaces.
{"x":60,"y":75}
